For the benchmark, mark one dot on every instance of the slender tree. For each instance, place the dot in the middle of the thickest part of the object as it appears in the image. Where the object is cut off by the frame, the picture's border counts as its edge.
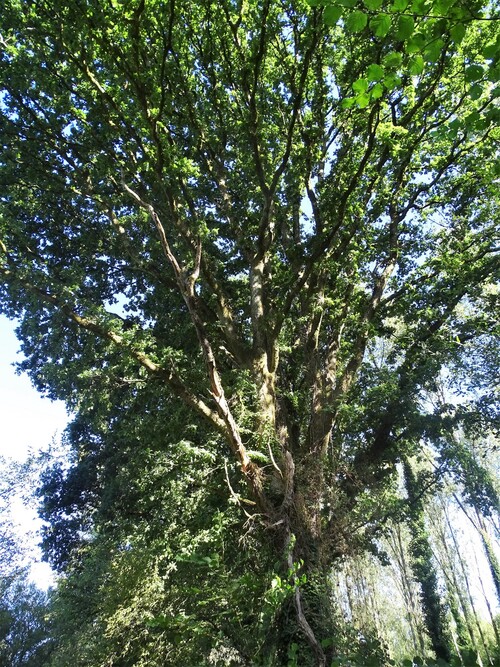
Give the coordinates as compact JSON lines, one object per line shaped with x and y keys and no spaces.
{"x":399,"y":553}
{"x":424,"y":570}
{"x":489,"y":550}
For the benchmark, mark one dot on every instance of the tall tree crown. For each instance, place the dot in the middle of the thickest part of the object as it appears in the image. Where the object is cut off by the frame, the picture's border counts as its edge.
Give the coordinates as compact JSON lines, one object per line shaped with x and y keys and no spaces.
{"x":280,"y":214}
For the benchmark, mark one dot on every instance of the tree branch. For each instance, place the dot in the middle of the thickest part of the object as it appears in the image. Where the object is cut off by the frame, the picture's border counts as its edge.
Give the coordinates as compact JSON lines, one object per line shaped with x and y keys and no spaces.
{"x":186,"y":285}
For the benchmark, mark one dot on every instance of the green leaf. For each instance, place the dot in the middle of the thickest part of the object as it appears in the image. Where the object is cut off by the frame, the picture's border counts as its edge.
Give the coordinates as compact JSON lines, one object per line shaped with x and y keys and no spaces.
{"x":433,"y":50}
{"x":347,"y":3}
{"x":356,"y":22}
{"x":416,"y":65}
{"x":494,"y":74}
{"x":493,"y":116}
{"x":392,"y":81}
{"x":372,"y":5}
{"x":348,"y":102}
{"x":363,"y":100}
{"x":377,"y":91}
{"x":476,"y":91}
{"x":398,"y":6}
{"x":332,"y":14}
{"x":393,"y":60}
{"x":441,"y":7}
{"x":474,"y":73}
{"x":325,"y":643}
{"x":360,"y":86}
{"x":459,"y":13}
{"x":458,"y":33}
{"x":419,"y":7}
{"x":415,"y":44}
{"x":406,"y":27}
{"x":439,"y":27}
{"x":380,"y":25}
{"x":375,"y":72}
{"x":454,"y":126}
{"x":491,"y":51}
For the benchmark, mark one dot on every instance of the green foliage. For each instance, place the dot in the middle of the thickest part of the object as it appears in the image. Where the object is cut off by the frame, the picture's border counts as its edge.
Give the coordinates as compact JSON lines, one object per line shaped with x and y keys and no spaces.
{"x":243,"y":240}
{"x":164,"y":571}
{"x":424,"y":30}
{"x":25,"y":632}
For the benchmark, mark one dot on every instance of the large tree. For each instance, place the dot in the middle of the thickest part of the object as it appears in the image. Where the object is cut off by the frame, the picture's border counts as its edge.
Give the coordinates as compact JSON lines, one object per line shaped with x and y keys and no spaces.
{"x":271,"y":222}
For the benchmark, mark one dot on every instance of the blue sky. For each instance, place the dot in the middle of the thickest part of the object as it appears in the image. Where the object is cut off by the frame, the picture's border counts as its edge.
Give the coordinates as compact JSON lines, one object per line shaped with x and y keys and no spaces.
{"x":28,"y":420}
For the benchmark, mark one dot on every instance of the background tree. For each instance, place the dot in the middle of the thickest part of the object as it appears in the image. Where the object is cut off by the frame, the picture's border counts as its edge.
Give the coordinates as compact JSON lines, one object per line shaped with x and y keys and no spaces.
{"x":222,"y":215}
{"x":424,"y":569}
{"x":25,"y":636}
{"x":24,"y":614}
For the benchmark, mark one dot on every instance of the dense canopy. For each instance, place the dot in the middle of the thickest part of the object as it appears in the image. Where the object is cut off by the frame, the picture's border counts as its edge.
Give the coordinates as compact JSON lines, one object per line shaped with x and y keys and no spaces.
{"x":254,"y":246}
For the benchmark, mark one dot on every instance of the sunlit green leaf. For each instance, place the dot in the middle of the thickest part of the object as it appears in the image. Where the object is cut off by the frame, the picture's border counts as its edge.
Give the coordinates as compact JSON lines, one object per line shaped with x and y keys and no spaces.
{"x":380,"y":25}
{"x":360,"y":86}
{"x":363,"y":100}
{"x":405,"y":27}
{"x":472,"y":119}
{"x":433,"y":51}
{"x":348,"y":102}
{"x":442,"y":7}
{"x":460,"y":13}
{"x":356,"y":22}
{"x":494,"y":74}
{"x":377,"y":91}
{"x":415,"y":43}
{"x":457,"y":32}
{"x":416,"y":65}
{"x":439,"y":27}
{"x":374,"y":72}
{"x":392,"y":81}
{"x":393,"y":59}
{"x":399,"y":5}
{"x":491,"y":51}
{"x":420,"y":7}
